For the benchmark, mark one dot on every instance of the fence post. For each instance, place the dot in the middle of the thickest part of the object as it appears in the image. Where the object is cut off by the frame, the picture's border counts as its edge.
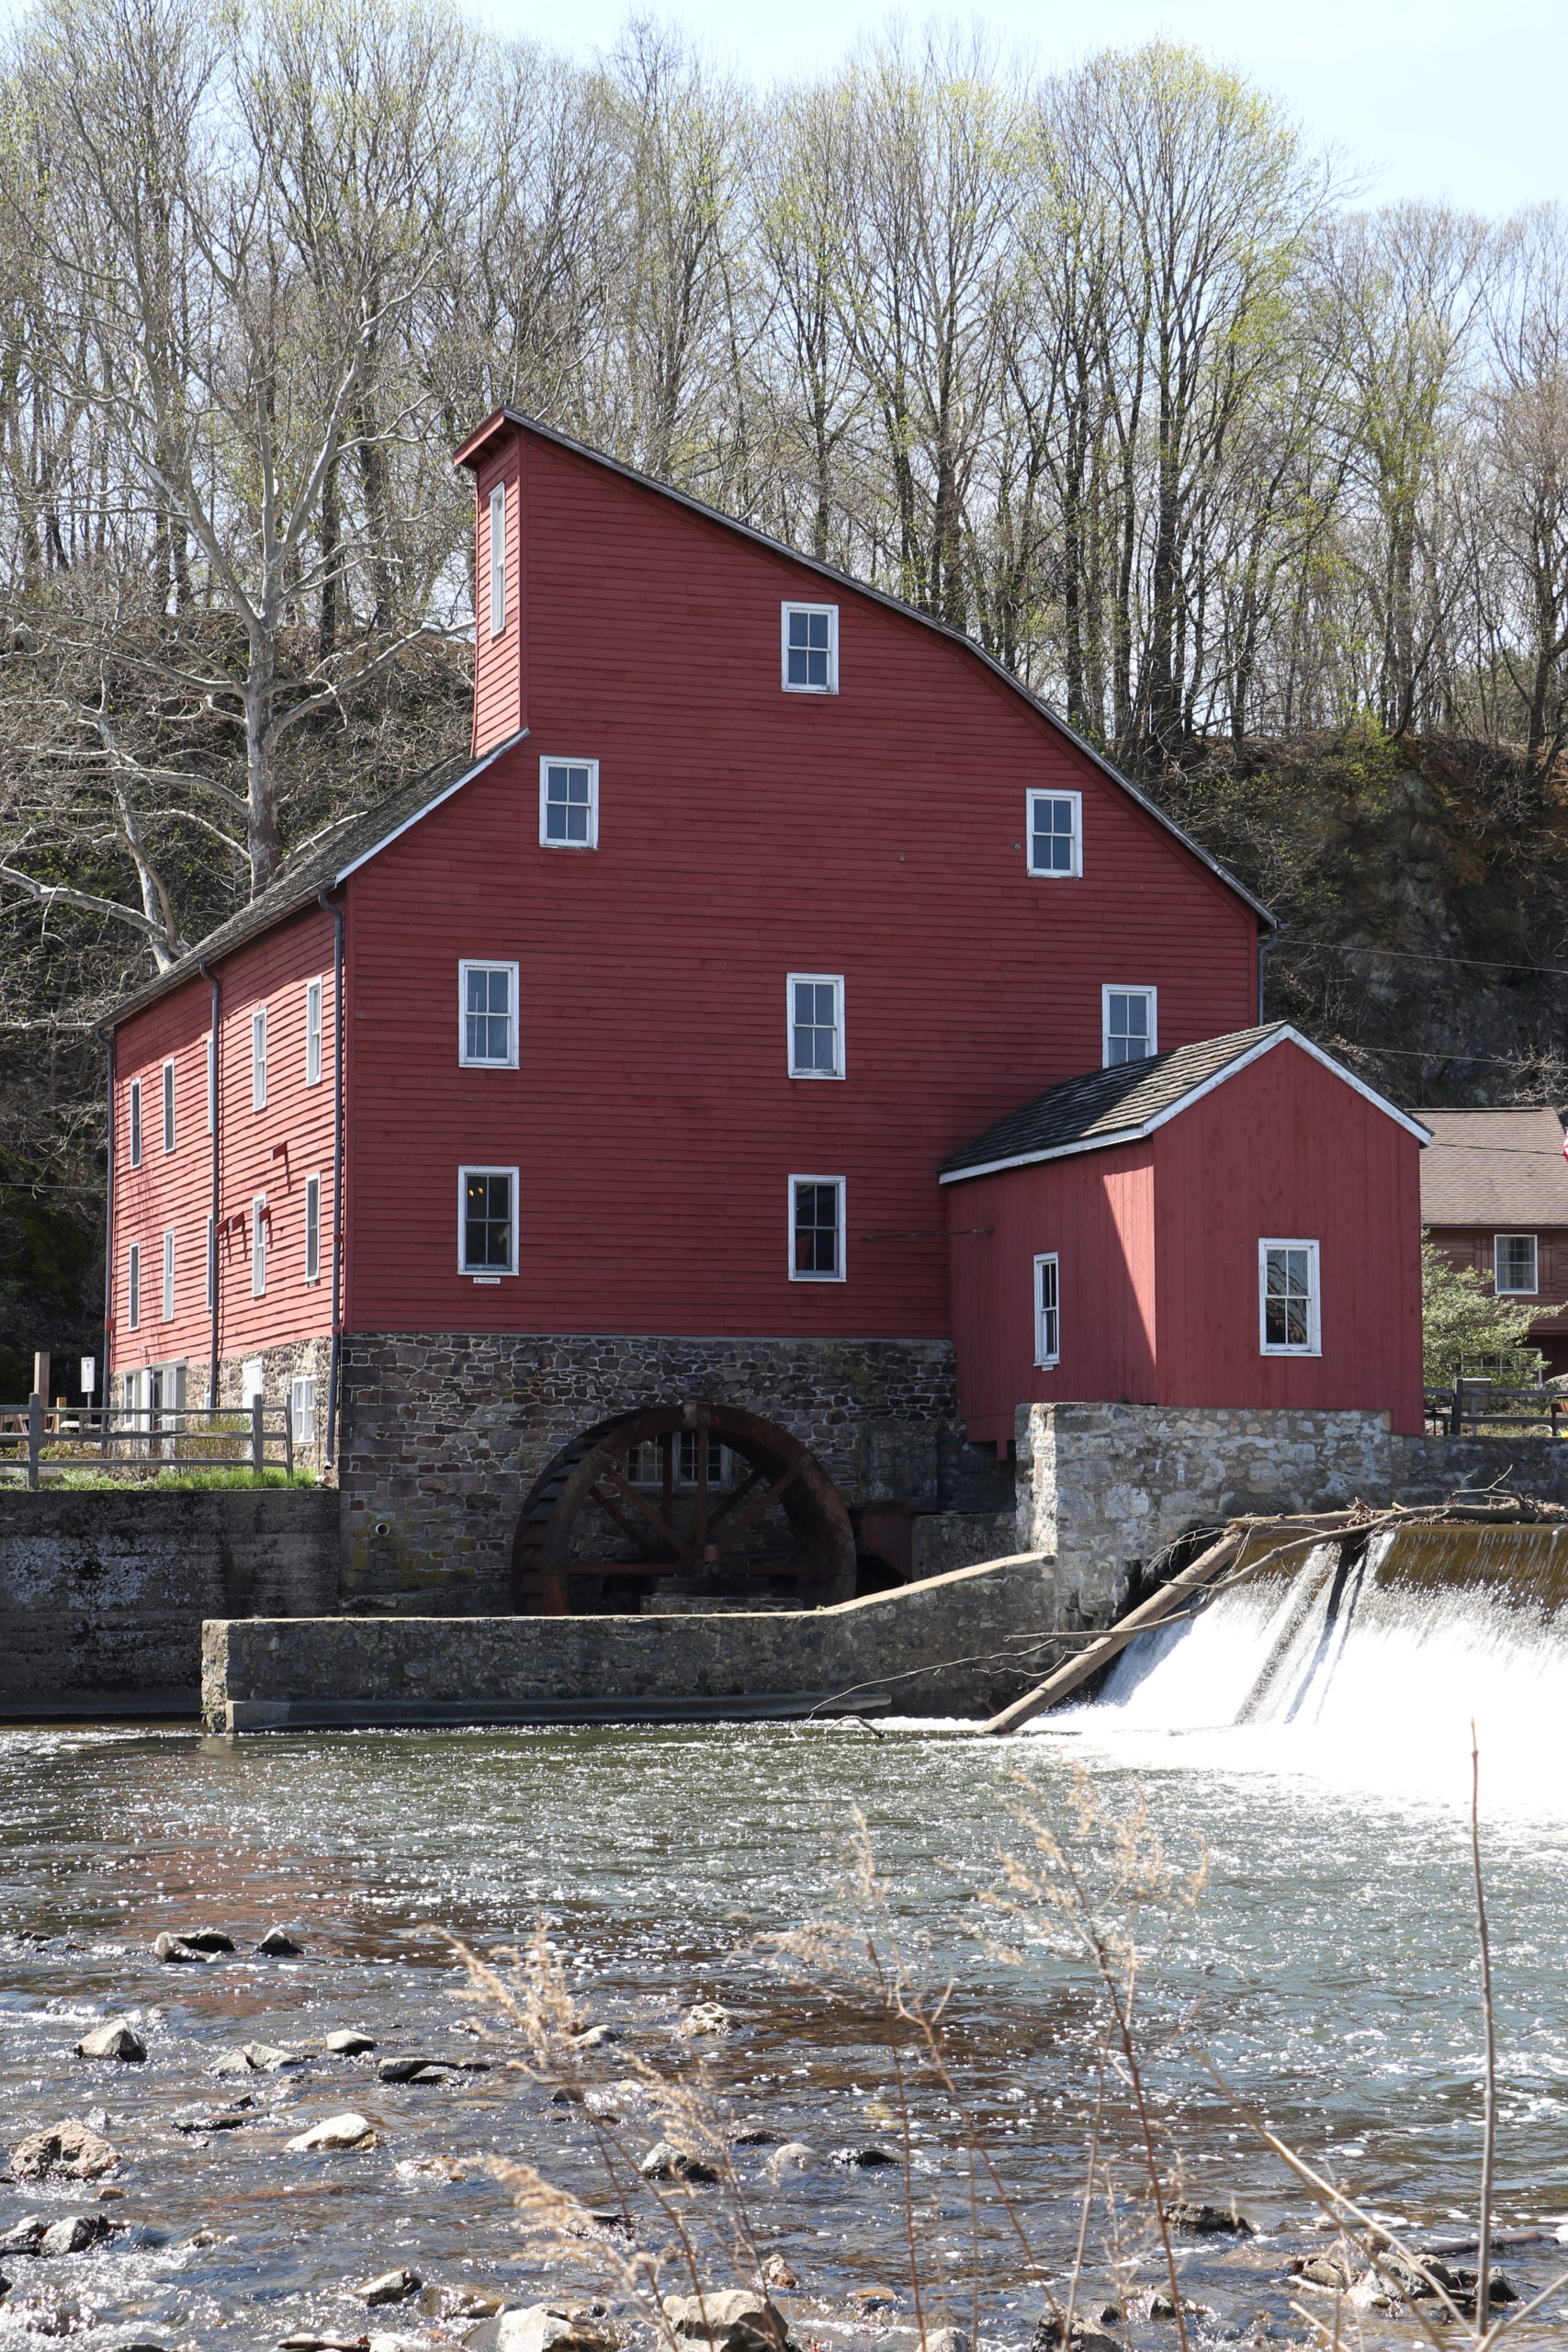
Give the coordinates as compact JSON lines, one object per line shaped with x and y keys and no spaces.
{"x":258,"y":1437}
{"x":1455,"y":1414}
{"x":288,"y":1436}
{"x":35,"y":1435}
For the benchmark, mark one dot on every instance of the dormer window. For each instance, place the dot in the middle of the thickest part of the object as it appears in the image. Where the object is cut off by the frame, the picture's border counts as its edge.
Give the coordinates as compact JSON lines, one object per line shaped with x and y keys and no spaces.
{"x":811,"y":648}
{"x":498,"y":559}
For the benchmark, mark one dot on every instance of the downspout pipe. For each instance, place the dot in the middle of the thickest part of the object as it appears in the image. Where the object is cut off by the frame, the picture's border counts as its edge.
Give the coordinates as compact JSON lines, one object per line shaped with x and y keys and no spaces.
{"x":334,"y":908}
{"x":215,"y":1111}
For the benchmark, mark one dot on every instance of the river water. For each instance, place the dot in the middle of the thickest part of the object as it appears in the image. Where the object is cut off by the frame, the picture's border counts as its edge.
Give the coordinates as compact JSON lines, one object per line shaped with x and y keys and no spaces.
{"x":1327,"y":1971}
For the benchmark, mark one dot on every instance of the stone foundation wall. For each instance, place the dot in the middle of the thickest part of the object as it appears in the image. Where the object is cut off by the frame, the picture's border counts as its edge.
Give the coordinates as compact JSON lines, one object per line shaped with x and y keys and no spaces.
{"x":443,"y":1433}
{"x":1103,"y":1487}
{"x":963,"y":1644}
{"x":303,"y":1358}
{"x":103,"y":1595}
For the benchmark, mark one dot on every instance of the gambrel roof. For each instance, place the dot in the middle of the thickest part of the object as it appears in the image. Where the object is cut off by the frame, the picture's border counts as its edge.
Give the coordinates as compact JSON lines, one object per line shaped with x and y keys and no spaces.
{"x":1129,"y":1101}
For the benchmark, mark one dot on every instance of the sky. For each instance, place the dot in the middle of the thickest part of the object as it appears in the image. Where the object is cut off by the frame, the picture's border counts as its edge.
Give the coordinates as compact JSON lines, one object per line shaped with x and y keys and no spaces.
{"x":1462,"y":101}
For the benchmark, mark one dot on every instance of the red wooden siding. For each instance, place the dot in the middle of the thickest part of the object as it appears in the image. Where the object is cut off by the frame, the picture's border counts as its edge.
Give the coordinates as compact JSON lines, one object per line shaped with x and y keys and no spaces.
{"x":1158,"y":1243}
{"x":744,"y":833}
{"x":498,"y":661}
{"x":175,"y":1190}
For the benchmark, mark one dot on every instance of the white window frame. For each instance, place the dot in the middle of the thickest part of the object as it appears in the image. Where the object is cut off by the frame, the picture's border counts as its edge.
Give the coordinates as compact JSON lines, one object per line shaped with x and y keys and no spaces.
{"x":498,"y":561}
{"x":312,"y":1230}
{"x":134,"y":1121}
{"x":841,"y":1188}
{"x":211,"y":1082}
{"x":168,"y":1099}
{"x":168,"y":1314}
{"x":1048,"y":1358}
{"x":1122,"y":988}
{"x":303,"y":1408}
{"x":1072,"y":873}
{"x":834,"y":980}
{"x":258,"y":1058}
{"x":1315,"y":1298}
{"x":1530,"y":1290}
{"x":133,"y":1287}
{"x":485,"y":1274}
{"x":486,"y":964}
{"x":796,"y":606}
{"x":561,"y":760}
{"x":211,"y":1262}
{"x":259,"y":1224}
{"x":313,"y":999}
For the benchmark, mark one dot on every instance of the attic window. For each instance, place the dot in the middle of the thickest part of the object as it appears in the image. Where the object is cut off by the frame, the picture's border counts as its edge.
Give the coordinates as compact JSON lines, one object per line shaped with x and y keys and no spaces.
{"x":569,"y":804}
{"x":810,"y":648}
{"x":1514,"y":1266}
{"x":498,"y":559}
{"x":1055,"y":833}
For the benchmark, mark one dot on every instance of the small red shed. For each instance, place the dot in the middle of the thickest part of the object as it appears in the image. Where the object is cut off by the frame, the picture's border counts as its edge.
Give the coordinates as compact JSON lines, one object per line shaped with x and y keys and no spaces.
{"x":1236,"y":1223}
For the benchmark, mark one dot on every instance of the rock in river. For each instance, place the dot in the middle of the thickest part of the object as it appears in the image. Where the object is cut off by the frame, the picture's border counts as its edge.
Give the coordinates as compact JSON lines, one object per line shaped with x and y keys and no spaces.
{"x":278,"y":1944}
{"x":665,"y":2160}
{"x":23,"y":2235}
{"x":542,"y":2328}
{"x":332,"y":2131}
{"x":113,"y":2038}
{"x":703,"y":2018}
{"x":862,"y":2159}
{"x":391,"y":2287}
{"x":347,"y":2044}
{"x":1210,"y":2221}
{"x":793,"y":2157}
{"x":68,"y":2148}
{"x":731,"y":2319}
{"x":73,"y":2234}
{"x":174,"y":1948}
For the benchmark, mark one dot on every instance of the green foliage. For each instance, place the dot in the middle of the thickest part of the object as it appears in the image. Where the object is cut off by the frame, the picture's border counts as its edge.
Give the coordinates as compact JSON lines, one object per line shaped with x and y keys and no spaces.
{"x":1462,"y":1321}
{"x":97,"y":1482}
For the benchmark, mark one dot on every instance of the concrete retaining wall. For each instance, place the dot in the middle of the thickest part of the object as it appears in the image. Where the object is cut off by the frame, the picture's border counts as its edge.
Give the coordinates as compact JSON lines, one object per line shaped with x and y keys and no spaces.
{"x":945,"y":1647}
{"x":103,"y":1596}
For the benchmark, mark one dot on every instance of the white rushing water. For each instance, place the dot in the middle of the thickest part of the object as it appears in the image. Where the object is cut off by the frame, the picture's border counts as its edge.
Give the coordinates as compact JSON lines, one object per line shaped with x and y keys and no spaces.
{"x":1345,"y":1680}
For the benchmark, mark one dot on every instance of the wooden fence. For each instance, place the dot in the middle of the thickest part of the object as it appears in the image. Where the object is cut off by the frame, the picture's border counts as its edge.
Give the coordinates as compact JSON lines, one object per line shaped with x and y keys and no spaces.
{"x":1476,"y":1409}
{"x":121,"y":1442}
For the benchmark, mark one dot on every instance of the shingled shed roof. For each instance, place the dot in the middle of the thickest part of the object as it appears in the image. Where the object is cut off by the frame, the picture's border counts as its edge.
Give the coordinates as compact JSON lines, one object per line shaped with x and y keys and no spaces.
{"x":1122,"y":1104}
{"x":1504,"y":1169}
{"x":319,"y":865}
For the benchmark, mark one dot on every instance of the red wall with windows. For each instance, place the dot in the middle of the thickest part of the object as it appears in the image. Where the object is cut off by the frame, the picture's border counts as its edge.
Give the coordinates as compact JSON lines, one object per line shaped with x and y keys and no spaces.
{"x":271,"y":1151}
{"x":1158,"y":1243}
{"x":1475,"y":1246}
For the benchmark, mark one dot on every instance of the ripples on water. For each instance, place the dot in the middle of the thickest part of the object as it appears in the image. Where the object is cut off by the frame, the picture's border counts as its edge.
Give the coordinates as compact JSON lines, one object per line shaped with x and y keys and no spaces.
{"x":1330,"y":1962}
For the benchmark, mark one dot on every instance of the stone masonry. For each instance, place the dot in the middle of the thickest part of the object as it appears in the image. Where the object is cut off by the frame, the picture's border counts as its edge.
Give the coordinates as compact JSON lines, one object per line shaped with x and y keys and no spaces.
{"x":443,"y":1433}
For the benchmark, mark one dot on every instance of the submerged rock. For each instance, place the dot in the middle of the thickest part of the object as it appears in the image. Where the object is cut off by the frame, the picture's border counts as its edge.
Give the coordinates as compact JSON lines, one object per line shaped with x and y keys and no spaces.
{"x":277,"y":1944}
{"x":208,"y":1939}
{"x":113,"y":2038}
{"x":946,"y":2339}
{"x":23,"y":2235}
{"x":730,"y":2319}
{"x":174,"y":1948}
{"x":1335,"y":2266}
{"x":412,"y":2070}
{"x":705,"y":2017}
{"x":73,"y":2234}
{"x":307,"y":2342}
{"x":347,"y":2044}
{"x":793,"y":2157}
{"x":391,"y":2287}
{"x":332,"y":2131}
{"x":862,"y":2159}
{"x":665,"y":2160}
{"x":71,"y":2149}
{"x":1210,"y":2221}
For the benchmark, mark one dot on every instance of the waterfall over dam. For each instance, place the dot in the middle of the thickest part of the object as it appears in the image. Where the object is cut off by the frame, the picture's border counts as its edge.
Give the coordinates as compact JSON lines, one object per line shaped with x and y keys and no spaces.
{"x":1366,"y":1669}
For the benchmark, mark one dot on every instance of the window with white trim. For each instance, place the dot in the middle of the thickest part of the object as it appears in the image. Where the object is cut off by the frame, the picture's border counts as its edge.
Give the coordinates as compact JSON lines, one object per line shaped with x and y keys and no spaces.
{"x":169,"y":1274}
{"x":1047,"y":1311}
{"x":1129,"y":1024}
{"x":312,"y":1033}
{"x":212,"y":1084}
{"x":569,"y":804}
{"x":260,"y":1226}
{"x":313,"y":1228}
{"x":1055,"y":834}
{"x":1515,"y":1265}
{"x":816,"y":1024}
{"x":168,"y":1106}
{"x":1289,"y":1308}
{"x":498,"y":559}
{"x":211,"y":1263}
{"x":133,"y":1287}
{"x":810,"y":648}
{"x":302,"y":1409}
{"x":258,"y":1058}
{"x":136,"y":1123}
{"x":487,"y":1222}
{"x":816,"y":1228}
{"x":487,"y":1016}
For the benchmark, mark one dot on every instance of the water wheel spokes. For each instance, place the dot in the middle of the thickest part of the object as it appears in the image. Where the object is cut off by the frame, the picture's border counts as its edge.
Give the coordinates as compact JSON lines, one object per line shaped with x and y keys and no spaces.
{"x":590,"y":1473}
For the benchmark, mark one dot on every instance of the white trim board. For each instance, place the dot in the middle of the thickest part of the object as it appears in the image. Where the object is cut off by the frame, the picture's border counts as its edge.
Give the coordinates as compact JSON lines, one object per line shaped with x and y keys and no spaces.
{"x":1284,"y":1036}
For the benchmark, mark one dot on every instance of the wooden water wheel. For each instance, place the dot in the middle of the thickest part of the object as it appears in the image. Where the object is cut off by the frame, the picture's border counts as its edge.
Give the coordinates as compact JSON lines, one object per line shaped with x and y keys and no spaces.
{"x":642,"y":1487}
